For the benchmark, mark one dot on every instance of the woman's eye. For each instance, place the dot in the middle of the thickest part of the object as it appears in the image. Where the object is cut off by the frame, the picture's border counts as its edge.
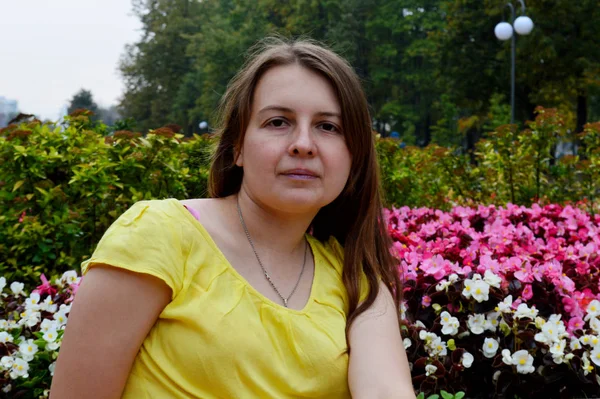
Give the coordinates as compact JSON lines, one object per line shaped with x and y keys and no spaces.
{"x":330,"y":127}
{"x":277,"y":123}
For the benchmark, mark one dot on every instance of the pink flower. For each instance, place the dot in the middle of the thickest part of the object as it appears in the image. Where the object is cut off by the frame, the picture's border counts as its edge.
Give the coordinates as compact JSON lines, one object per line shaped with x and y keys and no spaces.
{"x":22,"y":217}
{"x":434,"y":266}
{"x":45,"y":287}
{"x":576,"y":323}
{"x":426,"y":301}
{"x":527,"y":292}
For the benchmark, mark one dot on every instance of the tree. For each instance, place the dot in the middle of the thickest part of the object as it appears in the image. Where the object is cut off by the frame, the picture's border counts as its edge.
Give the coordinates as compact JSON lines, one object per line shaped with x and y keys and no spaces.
{"x":83,"y":99}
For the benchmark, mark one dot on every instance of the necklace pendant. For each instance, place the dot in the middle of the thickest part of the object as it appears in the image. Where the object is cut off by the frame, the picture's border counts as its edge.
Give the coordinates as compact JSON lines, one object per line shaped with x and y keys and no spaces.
{"x":285,"y":302}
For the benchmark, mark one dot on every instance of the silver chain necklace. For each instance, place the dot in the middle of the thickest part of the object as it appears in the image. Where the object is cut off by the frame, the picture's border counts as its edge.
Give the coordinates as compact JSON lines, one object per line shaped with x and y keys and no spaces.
{"x":284,"y":299}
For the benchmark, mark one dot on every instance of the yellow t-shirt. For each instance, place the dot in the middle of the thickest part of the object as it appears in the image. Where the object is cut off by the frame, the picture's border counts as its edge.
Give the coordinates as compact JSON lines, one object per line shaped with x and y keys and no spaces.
{"x":219,"y":337}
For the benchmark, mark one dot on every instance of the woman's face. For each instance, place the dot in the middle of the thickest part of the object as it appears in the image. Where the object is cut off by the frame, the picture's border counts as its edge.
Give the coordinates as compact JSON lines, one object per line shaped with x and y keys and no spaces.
{"x":294,"y":154}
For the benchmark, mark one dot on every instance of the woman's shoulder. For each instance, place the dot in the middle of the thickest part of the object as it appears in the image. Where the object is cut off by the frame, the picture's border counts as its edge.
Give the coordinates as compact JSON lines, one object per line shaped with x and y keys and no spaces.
{"x":331,"y":250}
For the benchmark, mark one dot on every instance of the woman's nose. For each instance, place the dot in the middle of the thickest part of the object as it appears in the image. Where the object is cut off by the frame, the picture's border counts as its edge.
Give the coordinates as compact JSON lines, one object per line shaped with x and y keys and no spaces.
{"x":303,"y":143}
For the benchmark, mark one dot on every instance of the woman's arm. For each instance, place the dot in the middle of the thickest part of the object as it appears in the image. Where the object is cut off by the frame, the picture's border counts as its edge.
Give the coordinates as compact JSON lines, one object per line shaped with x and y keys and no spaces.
{"x":113,"y":312}
{"x":378,"y":365}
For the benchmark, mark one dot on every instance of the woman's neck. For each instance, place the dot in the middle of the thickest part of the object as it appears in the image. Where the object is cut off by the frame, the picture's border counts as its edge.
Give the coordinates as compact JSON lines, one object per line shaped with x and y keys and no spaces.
{"x":275,"y":232}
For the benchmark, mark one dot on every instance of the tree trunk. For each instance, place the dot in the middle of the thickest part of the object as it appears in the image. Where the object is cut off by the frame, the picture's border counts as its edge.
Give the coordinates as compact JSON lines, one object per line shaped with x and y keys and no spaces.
{"x":582,"y":114}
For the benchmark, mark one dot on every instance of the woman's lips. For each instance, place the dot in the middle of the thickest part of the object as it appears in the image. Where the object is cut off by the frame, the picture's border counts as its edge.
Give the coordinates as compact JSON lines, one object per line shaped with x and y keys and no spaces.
{"x":300,"y":174}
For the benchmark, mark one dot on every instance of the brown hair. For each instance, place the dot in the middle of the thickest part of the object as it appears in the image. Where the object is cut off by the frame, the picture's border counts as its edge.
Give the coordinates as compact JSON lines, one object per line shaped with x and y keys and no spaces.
{"x":355,"y":217}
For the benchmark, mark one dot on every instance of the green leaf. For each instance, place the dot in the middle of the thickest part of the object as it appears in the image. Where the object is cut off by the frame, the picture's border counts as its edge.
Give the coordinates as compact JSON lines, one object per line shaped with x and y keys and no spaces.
{"x":446,"y":395}
{"x":17,"y":185}
{"x":421,"y":395}
{"x":451,"y":344}
{"x":459,"y":395}
{"x":435,"y":396}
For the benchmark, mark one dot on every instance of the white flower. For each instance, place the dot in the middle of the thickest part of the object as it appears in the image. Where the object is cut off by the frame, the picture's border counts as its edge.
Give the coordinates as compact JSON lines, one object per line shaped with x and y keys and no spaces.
{"x":550,"y":333}
{"x":6,"y":362}
{"x":48,"y":305}
{"x":506,"y":357}
{"x":442,"y":285}
{"x":2,"y":283}
{"x":524,"y":311}
{"x":7,"y":388}
{"x":51,"y":368}
{"x":17,"y":288}
{"x":50,"y":336}
{"x":5,"y":337}
{"x":48,"y":325}
{"x":30,"y":318}
{"x":575,"y":344}
{"x":403,"y":310}
{"x":430,"y":369}
{"x":427,"y":336}
{"x":3,"y":324}
{"x":524,"y":362}
{"x":468,"y":290}
{"x":480,"y":291}
{"x":492,"y":279}
{"x":587,"y":367}
{"x":595,"y":324}
{"x":407,"y":343}
{"x":453,"y":278}
{"x":505,"y":305}
{"x":28,"y":349}
{"x":33,"y":302}
{"x":556,"y":320}
{"x":52,"y":346}
{"x":437,"y":347}
{"x":61,"y":318}
{"x":449,"y":323}
{"x":19,"y":368}
{"x":593,"y":309}
{"x":595,"y":356}
{"x":476,"y":323}
{"x":492,"y":321}
{"x":69,"y":277}
{"x":558,"y":351}
{"x":467,"y":359}
{"x":418,"y":323}
{"x":586,"y":339}
{"x":490,"y":347}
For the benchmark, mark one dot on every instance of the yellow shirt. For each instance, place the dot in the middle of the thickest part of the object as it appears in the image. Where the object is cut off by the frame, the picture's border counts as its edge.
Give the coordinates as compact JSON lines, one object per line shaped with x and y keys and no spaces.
{"x":219,"y":337}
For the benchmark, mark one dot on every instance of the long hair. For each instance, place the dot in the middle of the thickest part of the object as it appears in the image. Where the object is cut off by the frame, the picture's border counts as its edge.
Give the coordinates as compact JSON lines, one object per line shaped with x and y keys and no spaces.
{"x":355,"y":218}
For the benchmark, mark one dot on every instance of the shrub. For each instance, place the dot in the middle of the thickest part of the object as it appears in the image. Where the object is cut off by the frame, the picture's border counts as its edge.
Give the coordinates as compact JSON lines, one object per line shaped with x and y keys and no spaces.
{"x":61,"y":187}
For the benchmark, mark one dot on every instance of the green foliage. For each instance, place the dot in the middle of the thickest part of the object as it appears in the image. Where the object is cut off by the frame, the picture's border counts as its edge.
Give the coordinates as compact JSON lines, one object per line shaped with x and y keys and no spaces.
{"x":444,"y":394}
{"x":508,"y":166}
{"x":60,"y":188}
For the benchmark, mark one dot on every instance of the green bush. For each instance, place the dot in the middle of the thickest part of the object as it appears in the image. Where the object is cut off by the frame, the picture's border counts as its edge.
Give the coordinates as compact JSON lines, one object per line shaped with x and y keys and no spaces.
{"x":62,"y":187}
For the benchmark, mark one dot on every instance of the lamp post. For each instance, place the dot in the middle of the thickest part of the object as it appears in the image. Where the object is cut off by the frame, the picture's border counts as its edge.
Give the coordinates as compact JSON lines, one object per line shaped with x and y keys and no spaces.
{"x":523,"y":25}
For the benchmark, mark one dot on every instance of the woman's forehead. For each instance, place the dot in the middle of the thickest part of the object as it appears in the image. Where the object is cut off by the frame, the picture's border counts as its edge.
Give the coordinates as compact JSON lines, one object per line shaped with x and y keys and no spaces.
{"x":296,"y":89}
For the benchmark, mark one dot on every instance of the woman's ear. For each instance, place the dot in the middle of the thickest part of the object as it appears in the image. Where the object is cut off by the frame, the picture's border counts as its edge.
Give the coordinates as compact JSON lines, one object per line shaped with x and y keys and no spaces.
{"x":239,"y":157}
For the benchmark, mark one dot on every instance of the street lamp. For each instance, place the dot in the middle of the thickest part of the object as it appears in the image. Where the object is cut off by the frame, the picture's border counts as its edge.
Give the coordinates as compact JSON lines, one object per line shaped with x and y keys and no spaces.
{"x":523,"y":25}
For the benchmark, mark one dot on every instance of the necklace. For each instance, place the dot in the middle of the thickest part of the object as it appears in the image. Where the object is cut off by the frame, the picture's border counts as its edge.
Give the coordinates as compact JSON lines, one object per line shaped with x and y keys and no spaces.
{"x":284,"y":299}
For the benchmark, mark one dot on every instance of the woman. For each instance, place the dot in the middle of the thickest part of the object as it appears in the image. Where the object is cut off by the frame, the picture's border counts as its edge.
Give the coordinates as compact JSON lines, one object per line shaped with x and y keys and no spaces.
{"x":230,"y":297}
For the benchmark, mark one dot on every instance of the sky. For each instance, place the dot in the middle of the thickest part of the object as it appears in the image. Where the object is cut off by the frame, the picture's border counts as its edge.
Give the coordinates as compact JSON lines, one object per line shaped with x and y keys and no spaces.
{"x":50,"y":49}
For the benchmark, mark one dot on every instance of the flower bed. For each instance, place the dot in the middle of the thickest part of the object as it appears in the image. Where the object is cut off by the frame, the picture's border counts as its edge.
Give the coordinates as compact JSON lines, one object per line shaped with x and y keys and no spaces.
{"x":31,"y":330}
{"x":501,"y":302}
{"x":498,"y":302}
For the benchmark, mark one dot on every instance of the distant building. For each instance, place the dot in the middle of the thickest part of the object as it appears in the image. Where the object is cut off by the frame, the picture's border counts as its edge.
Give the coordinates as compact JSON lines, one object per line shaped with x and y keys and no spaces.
{"x":8,"y":110}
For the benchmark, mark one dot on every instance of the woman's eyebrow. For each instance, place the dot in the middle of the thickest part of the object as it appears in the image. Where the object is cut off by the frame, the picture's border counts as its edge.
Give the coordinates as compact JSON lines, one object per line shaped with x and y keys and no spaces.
{"x":289,"y":110}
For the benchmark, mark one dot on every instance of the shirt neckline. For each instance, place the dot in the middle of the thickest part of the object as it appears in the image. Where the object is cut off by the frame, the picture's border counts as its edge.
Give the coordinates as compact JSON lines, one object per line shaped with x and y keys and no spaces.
{"x":232,"y":270}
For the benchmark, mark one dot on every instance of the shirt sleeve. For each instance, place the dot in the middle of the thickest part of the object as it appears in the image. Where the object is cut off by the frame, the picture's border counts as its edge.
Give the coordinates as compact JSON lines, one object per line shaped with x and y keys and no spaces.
{"x":144,"y":239}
